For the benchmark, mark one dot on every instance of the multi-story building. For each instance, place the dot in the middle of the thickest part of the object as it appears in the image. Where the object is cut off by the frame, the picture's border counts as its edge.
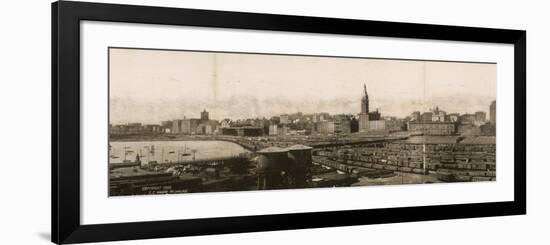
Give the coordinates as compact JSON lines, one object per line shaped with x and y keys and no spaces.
{"x":493,"y":113}
{"x":354,"y":124}
{"x":426,"y":116}
{"x":315,"y":117}
{"x":453,"y":117}
{"x":325,"y":127}
{"x":273,"y":129}
{"x":480,"y":116}
{"x":415,"y":116}
{"x":319,"y":117}
{"x":377,"y":125}
{"x":166,"y":126}
{"x":342,"y":124}
{"x":196,"y":126}
{"x":284,"y":119}
{"x":204,"y":115}
{"x":488,"y":129}
{"x":134,"y":128}
{"x":394,"y":125}
{"x":283,"y":130}
{"x":151,"y":128}
{"x":364,"y":115}
{"x":274,"y":120}
{"x":207,"y":127}
{"x":129,"y":128}
{"x":375,"y":115}
{"x":433,"y":128}
{"x":365,"y":100}
{"x":468,"y":118}
{"x":324,"y":116}
{"x":243,"y":131}
{"x":176,"y":126}
{"x":363,"y":122}
{"x":185,"y":126}
{"x":438,"y":115}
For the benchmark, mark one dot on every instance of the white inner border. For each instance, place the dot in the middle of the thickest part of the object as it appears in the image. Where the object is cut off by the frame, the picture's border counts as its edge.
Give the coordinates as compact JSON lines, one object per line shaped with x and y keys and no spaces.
{"x":97,"y":208}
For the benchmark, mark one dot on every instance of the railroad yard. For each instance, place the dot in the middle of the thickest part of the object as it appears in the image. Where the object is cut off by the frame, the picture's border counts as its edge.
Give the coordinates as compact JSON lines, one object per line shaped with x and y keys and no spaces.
{"x":329,"y":163}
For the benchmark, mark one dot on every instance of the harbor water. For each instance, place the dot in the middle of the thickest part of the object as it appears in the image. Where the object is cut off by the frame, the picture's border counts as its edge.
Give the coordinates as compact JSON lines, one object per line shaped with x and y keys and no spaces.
{"x":172,"y":151}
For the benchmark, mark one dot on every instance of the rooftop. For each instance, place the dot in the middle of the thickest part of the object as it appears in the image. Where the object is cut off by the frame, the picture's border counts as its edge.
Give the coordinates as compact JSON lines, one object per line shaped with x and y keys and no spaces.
{"x":272,"y":149}
{"x":299,"y":147}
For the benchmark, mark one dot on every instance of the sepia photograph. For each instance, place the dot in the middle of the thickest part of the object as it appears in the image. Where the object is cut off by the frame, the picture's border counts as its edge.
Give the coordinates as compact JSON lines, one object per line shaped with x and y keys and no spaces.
{"x":184,"y":121}
{"x":170,"y":121}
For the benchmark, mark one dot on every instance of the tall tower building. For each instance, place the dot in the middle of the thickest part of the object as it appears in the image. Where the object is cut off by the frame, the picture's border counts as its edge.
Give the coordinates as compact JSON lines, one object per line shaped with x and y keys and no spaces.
{"x":493,"y":113}
{"x":365,"y":101}
{"x":364,"y":115}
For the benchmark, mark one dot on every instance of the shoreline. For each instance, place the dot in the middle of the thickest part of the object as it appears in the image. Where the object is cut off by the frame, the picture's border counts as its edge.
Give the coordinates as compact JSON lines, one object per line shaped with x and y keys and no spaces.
{"x":252,"y":145}
{"x":140,"y":138}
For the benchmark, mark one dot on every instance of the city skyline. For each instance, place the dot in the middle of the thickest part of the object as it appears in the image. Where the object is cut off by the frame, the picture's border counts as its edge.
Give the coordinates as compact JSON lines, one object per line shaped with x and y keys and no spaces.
{"x":245,"y":86}
{"x":167,"y":133}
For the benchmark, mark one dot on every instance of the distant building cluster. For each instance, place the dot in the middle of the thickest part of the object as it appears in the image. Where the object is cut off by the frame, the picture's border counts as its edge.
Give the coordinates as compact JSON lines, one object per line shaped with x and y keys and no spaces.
{"x":135,"y":128}
{"x":195,"y":125}
{"x":438,"y":122}
{"x":367,"y":122}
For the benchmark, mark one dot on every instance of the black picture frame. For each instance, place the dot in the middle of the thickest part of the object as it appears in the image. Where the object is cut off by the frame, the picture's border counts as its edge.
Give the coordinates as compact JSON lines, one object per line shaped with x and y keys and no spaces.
{"x":65,"y":223}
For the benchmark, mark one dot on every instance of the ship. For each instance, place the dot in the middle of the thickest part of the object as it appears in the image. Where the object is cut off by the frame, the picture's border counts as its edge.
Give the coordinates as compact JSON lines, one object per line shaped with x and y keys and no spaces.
{"x":185,"y":153}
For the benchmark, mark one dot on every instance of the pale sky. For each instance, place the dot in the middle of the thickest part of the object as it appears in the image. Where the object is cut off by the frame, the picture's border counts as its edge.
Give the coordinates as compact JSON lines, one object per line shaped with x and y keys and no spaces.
{"x":150,"y":86}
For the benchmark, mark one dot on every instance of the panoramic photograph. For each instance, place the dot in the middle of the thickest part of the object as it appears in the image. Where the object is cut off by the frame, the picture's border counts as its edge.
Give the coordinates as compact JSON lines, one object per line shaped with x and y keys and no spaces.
{"x":199,"y":121}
